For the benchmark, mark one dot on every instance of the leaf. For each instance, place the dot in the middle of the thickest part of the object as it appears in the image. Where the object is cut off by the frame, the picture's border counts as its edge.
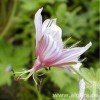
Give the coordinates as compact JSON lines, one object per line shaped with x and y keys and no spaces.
{"x":87,"y":74}
{"x":16,"y":57}
{"x":91,"y":75}
{"x":60,"y":77}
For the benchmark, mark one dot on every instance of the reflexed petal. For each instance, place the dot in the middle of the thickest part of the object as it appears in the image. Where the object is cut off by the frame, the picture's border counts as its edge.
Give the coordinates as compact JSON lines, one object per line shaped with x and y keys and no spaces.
{"x":81,"y":90}
{"x":38,"y":25}
{"x":70,"y":55}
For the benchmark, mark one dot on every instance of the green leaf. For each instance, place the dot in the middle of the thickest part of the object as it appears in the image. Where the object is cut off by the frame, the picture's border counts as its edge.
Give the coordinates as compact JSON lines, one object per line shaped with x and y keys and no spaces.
{"x":16,"y":57}
{"x":61,"y":77}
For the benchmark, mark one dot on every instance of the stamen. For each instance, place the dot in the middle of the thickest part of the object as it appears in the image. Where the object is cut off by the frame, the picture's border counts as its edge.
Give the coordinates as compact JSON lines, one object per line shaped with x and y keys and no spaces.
{"x":83,"y":59}
{"x":50,"y":23}
{"x":66,"y":41}
{"x":74,"y":45}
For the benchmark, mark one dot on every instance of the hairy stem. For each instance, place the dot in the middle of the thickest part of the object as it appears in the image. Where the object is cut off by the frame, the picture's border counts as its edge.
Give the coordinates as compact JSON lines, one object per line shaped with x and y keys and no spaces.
{"x":78,"y":73}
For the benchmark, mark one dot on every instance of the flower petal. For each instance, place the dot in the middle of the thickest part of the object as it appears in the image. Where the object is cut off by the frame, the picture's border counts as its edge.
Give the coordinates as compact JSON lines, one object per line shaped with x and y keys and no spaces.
{"x":38,"y":25}
{"x":50,"y":27}
{"x":70,"y":55}
{"x":48,"y":50}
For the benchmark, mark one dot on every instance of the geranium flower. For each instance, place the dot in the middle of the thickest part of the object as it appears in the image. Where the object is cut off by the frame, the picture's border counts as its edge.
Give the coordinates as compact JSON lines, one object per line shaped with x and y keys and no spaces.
{"x":50,"y":51}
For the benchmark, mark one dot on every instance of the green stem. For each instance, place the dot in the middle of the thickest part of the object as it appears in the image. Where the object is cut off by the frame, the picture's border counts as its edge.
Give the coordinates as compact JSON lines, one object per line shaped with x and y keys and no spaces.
{"x":6,"y":27}
{"x":78,"y":73}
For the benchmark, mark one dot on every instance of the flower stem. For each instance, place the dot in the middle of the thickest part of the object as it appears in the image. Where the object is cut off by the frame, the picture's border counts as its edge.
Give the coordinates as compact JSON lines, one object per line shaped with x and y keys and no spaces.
{"x":78,"y":73}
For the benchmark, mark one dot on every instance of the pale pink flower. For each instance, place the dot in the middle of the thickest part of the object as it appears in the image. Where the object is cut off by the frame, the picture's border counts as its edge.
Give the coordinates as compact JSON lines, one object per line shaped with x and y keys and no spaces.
{"x":50,"y":51}
{"x":49,"y":45}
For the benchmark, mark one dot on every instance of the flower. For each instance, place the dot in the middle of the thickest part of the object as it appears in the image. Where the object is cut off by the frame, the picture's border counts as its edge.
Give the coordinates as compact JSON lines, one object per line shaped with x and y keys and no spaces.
{"x":50,"y":51}
{"x":49,"y":45}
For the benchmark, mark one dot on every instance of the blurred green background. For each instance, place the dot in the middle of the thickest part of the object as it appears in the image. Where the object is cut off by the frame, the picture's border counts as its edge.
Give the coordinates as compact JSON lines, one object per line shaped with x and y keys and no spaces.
{"x":79,"y":19}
